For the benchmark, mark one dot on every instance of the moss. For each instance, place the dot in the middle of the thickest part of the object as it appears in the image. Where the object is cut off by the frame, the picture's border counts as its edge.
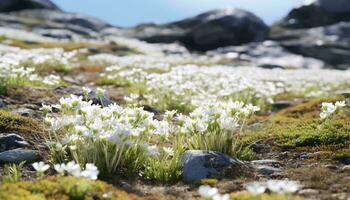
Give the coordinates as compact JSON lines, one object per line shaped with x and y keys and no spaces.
{"x":246,"y":154}
{"x":67,"y":46}
{"x":309,"y":109}
{"x":340,"y":154}
{"x":313,"y":133}
{"x":209,"y":181}
{"x":27,"y":127}
{"x":62,"y":188}
{"x":301,"y":126}
{"x":247,"y":196}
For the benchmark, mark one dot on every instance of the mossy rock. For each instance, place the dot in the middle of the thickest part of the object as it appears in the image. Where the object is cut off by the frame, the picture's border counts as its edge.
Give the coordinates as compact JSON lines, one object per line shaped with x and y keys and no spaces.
{"x":27,"y":127}
{"x":64,"y":188}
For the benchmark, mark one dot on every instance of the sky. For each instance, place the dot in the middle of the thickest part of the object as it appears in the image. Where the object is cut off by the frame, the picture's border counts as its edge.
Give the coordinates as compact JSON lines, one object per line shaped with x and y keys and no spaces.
{"x":128,"y":13}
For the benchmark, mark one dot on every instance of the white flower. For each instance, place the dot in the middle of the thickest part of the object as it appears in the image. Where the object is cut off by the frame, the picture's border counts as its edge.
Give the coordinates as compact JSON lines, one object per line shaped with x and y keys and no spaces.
{"x":46,"y":108}
{"x":291,"y":187}
{"x":340,"y":104}
{"x":153,"y":150}
{"x":168,"y":115}
{"x":100,"y":92}
{"x":323,"y":115}
{"x":221,"y":197}
{"x":40,"y":166}
{"x":227,"y":122}
{"x":280,"y":186}
{"x":168,"y":150}
{"x":201,"y":126}
{"x":73,"y":169}
{"x":86,"y":91}
{"x":90,"y":172}
{"x":207,"y":192}
{"x":327,"y":109}
{"x":255,"y":188}
{"x":60,"y":168}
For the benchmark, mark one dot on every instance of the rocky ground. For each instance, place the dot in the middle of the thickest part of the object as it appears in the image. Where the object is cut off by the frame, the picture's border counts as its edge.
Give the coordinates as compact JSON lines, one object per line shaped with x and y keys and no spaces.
{"x":288,"y":70}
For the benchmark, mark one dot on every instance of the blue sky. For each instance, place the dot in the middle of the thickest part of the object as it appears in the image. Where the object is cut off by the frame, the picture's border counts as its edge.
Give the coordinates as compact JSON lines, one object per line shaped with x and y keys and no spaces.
{"x":132,"y":12}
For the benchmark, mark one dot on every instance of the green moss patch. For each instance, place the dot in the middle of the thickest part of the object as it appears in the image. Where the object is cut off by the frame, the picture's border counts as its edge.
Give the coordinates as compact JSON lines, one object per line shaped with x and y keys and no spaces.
{"x":309,"y":109}
{"x":301,"y":126}
{"x":63,"y":188}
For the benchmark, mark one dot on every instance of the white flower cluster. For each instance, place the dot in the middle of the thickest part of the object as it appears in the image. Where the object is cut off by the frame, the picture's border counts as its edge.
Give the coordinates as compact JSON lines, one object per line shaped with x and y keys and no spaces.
{"x":329,"y":108}
{"x":275,"y":186}
{"x":89,"y":126}
{"x":20,"y":65}
{"x":224,"y":115}
{"x":91,"y":172}
{"x":38,"y":56}
{"x":84,"y":120}
{"x":208,"y":192}
{"x":40,"y":166}
{"x":157,"y":62}
{"x":194,"y":84}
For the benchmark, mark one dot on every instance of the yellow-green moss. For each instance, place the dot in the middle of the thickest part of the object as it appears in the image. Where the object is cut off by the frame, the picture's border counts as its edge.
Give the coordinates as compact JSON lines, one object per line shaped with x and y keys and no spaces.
{"x":313,"y":133}
{"x":27,"y":127}
{"x":64,"y":45}
{"x":209,"y":181}
{"x":309,"y":109}
{"x":247,"y":196}
{"x":341,"y":154}
{"x":69,"y":188}
{"x":301,"y":126}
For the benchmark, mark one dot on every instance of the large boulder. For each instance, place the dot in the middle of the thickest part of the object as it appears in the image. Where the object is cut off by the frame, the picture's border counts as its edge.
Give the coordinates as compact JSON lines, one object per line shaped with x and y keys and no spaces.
{"x":329,"y":43}
{"x":315,"y":13}
{"x":15,"y":5}
{"x":206,"y":31}
{"x":64,"y":18}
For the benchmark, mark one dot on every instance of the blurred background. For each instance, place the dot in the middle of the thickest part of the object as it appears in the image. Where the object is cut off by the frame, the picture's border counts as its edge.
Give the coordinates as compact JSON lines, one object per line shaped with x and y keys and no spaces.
{"x":268,"y":33}
{"x":133,"y":12}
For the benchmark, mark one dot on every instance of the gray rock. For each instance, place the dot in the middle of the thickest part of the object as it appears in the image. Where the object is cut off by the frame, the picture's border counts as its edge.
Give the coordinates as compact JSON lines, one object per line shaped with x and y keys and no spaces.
{"x":56,"y":33}
{"x":12,"y":141}
{"x":14,"y":5}
{"x":331,"y":166}
{"x":346,"y":168}
{"x":330,"y":44}
{"x":345,"y":161}
{"x":260,"y":147}
{"x":345,"y":93}
{"x":19,"y":155}
{"x":308,"y":192}
{"x":206,"y":31}
{"x":24,"y":112}
{"x":318,"y":13}
{"x":267,"y":170}
{"x":54,"y":24}
{"x":279,"y":105}
{"x":265,"y":162}
{"x":198,"y":164}
{"x":2,"y":103}
{"x":80,"y":20}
